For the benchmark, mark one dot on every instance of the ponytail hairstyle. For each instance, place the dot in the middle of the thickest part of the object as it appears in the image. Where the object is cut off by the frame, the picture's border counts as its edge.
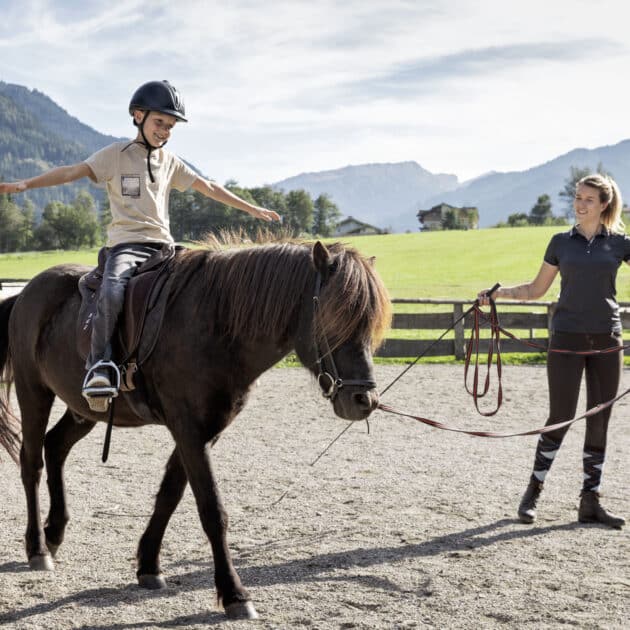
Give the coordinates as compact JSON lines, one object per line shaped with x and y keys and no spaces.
{"x":608,"y":194}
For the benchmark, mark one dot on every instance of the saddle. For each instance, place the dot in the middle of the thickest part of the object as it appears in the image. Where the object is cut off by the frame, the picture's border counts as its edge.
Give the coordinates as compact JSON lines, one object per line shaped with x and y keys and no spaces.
{"x":141,"y":320}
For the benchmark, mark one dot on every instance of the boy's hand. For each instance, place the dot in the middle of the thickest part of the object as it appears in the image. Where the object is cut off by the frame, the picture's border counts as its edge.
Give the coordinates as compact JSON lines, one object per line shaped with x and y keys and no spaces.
{"x":264,"y":214}
{"x":13,"y":187}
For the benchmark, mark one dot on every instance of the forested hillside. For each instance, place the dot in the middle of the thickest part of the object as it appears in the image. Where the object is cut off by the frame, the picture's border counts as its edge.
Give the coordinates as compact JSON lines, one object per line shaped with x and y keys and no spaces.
{"x":35,"y":135}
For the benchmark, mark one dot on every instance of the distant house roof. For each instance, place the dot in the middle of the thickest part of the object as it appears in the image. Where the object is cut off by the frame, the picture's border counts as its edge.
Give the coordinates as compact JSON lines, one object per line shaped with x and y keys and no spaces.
{"x":353,"y":227}
{"x":441,"y":208}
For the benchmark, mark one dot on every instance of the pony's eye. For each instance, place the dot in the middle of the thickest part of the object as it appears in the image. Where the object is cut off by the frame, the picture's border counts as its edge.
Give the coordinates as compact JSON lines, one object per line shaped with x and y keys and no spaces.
{"x":333,"y":267}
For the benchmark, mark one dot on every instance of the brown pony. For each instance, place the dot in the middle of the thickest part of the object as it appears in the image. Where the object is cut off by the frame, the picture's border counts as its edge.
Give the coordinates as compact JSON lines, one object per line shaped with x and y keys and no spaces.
{"x":231,"y":315}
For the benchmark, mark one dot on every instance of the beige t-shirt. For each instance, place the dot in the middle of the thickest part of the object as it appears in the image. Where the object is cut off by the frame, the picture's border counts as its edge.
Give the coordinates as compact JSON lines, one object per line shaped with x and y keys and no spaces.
{"x":139,"y":207}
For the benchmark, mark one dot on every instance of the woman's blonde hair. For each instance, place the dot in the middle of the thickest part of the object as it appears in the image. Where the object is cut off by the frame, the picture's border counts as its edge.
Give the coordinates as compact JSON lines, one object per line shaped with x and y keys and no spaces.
{"x":610,"y":195}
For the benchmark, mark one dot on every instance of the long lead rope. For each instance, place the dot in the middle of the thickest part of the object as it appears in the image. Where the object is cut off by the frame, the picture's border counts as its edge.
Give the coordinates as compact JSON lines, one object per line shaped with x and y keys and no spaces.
{"x":494,"y":344}
{"x":491,"y":434}
{"x":473,"y":345}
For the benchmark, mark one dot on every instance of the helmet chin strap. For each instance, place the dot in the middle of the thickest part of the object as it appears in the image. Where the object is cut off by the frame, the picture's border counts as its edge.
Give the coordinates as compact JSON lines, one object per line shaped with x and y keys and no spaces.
{"x":148,"y":145}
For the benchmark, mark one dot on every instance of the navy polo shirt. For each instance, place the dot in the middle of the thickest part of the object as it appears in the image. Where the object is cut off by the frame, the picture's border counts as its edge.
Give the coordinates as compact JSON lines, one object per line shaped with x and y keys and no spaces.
{"x":588,"y":271}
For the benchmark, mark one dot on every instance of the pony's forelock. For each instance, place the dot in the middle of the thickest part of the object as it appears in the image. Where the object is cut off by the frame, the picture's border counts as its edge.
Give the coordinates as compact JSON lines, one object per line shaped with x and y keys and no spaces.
{"x":355,"y":302}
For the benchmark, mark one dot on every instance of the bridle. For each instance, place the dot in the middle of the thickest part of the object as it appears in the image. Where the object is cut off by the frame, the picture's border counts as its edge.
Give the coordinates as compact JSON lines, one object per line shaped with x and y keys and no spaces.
{"x":330,"y":382}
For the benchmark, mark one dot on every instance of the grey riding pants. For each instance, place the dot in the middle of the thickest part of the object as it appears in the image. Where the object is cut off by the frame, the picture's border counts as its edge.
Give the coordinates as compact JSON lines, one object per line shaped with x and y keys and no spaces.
{"x":121,"y":264}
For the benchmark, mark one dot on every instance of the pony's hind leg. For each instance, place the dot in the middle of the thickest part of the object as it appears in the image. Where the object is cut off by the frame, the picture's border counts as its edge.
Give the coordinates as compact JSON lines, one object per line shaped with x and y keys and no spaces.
{"x":57,"y":444}
{"x":170,"y":494}
{"x":35,"y":405}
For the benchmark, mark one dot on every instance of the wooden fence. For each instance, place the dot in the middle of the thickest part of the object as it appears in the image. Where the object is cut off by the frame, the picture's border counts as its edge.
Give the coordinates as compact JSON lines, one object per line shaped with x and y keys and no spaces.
{"x":12,"y":282}
{"x":528,"y":320}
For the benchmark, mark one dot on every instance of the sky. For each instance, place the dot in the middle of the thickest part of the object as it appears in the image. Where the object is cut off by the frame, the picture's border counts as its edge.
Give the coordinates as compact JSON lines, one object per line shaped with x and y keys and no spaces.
{"x":275,"y":89}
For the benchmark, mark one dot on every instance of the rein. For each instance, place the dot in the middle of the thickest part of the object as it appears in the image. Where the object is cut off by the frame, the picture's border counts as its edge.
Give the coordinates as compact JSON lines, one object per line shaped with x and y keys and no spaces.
{"x":494,"y":346}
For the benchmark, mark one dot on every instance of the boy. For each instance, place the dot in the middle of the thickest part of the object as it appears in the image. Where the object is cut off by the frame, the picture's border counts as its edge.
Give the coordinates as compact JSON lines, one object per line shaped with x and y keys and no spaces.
{"x":138,"y":176}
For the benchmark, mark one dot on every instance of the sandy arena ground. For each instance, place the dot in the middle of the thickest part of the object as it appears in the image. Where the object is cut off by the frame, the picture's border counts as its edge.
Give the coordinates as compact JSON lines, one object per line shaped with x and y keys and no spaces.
{"x":404,"y":527}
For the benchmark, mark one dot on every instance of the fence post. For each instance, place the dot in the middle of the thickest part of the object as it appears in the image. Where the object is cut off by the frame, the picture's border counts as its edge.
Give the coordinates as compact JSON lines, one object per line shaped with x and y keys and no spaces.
{"x":550,"y":311}
{"x":458,"y":311}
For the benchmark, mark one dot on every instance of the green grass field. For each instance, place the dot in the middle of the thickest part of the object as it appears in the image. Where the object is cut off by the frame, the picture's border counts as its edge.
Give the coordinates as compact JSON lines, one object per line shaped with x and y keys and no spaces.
{"x":457,"y":264}
{"x":438,"y":265}
{"x":25,"y":265}
{"x":448,"y":265}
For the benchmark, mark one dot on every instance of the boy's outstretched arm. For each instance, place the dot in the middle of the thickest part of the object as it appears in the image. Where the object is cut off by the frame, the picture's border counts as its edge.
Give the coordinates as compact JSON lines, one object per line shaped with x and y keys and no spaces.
{"x":222,"y":195}
{"x":53,"y":177}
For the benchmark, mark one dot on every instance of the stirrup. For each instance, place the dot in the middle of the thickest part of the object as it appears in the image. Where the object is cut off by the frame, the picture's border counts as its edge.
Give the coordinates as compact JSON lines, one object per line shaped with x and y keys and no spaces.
{"x":99,"y":396}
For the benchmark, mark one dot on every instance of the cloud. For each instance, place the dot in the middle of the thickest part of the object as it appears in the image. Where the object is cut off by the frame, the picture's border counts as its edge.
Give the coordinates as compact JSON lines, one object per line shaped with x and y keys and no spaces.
{"x":421,"y":76}
{"x":313,"y":84}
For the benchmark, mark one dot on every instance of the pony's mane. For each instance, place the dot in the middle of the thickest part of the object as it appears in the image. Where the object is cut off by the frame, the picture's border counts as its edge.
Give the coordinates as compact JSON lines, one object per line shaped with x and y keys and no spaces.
{"x":252,"y":291}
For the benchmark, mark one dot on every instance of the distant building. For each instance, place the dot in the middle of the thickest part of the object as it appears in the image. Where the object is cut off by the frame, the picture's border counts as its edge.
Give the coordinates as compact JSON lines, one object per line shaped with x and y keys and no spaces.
{"x":466,"y":218}
{"x":352,"y":227}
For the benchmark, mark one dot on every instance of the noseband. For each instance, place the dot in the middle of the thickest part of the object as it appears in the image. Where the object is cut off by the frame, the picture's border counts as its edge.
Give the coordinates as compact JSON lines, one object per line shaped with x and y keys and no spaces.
{"x":330,"y":382}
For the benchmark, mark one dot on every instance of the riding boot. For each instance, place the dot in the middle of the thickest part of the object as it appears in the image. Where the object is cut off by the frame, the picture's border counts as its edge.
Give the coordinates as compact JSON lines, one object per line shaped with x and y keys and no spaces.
{"x":527,"y":507}
{"x":592,"y":512}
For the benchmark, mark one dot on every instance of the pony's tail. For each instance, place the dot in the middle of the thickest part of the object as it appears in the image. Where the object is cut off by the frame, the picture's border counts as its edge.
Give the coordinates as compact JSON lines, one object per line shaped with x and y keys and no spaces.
{"x":10,"y":436}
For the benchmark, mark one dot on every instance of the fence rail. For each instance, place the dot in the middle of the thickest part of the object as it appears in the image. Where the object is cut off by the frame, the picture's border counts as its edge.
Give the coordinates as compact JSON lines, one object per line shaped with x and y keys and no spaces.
{"x":518,"y":316}
{"x":20,"y":282}
{"x":514,"y":316}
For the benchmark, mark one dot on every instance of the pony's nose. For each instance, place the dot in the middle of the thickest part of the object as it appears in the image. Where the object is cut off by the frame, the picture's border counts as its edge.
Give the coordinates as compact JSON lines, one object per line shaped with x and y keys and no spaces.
{"x":366,"y":401}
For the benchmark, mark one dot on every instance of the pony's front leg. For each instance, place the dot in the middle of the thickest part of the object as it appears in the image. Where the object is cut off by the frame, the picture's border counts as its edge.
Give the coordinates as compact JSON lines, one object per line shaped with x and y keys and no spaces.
{"x":168,"y":497}
{"x":214,"y":519}
{"x":57,"y":444}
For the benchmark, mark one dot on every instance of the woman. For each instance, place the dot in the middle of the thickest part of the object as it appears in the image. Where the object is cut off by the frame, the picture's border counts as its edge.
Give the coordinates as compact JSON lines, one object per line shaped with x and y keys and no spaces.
{"x":586,"y":318}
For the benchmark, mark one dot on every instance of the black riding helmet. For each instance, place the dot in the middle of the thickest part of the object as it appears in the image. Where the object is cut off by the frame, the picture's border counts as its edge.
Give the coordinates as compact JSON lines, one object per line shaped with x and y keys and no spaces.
{"x":156,"y":96}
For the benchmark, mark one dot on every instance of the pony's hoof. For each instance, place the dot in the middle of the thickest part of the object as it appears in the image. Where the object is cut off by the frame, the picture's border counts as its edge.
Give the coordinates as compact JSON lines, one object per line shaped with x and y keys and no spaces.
{"x":52,"y":548}
{"x":241,"y":610}
{"x":153,"y":582}
{"x":41,"y":562}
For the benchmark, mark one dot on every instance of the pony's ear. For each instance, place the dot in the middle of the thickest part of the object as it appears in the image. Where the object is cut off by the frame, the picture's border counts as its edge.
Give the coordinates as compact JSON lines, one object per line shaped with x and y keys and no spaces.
{"x":372,"y":261}
{"x":321,"y":258}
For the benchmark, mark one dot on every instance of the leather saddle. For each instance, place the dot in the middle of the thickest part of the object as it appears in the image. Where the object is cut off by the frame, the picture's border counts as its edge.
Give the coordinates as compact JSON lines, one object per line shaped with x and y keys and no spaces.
{"x":141,"y":320}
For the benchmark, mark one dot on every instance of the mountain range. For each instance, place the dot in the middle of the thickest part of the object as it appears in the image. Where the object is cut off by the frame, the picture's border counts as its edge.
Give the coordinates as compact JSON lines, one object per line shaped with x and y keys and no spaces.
{"x":37,"y":134}
{"x":389,"y":195}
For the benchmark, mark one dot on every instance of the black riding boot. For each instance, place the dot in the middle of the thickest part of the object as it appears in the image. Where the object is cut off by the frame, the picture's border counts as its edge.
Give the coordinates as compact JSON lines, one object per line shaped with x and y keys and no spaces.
{"x":527,"y":507}
{"x":592,"y":512}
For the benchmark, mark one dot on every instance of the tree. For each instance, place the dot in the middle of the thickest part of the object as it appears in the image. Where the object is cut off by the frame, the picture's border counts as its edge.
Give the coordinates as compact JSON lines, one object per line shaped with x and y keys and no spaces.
{"x":84,"y":212}
{"x":326,"y":215}
{"x":11,"y":225}
{"x":27,"y":228}
{"x":451,"y":221}
{"x":518,"y":219}
{"x":269,"y":198}
{"x":69,"y":226}
{"x":45,"y":236}
{"x":299,"y":212}
{"x":541,"y":213}
{"x":567,"y":194}
{"x":105,"y":218}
